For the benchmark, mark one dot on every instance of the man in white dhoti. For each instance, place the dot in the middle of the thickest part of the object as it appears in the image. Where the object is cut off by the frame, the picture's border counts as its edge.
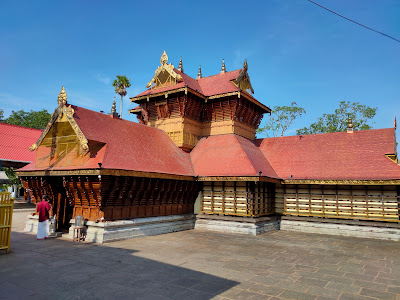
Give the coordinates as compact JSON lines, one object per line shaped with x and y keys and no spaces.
{"x":43,"y":209}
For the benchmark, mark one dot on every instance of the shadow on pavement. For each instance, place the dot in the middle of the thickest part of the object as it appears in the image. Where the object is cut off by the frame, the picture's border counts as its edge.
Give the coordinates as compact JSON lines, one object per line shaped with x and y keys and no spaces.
{"x":62,"y":269}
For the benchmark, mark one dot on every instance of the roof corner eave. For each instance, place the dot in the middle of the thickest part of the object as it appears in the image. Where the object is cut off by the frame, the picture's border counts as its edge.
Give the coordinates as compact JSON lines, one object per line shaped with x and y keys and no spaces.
{"x":239,"y":178}
{"x":343,"y":181}
{"x":98,"y":171}
{"x":185,"y":89}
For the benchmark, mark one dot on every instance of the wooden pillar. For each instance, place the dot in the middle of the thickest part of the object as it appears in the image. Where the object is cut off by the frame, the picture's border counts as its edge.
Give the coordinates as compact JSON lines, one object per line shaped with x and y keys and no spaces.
{"x":235,"y":199}
{"x":212,"y":196}
{"x":366,"y":201}
{"x":284,"y":199}
{"x":398,"y":200}
{"x":323,"y":200}
{"x":337,"y":200}
{"x":309,"y":199}
{"x":223,"y":195}
{"x":297,"y":199}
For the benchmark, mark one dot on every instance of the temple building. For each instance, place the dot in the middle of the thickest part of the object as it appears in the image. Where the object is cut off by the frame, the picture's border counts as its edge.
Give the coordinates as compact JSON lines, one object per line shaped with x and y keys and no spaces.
{"x":194,"y":161}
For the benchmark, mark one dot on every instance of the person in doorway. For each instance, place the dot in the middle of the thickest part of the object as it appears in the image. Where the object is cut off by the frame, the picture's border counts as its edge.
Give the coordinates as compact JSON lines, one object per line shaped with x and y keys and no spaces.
{"x":43,"y":209}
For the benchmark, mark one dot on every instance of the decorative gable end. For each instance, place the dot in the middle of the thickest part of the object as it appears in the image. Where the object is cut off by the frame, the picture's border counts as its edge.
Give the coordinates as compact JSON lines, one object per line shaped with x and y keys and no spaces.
{"x":164,"y":75}
{"x":243,"y":80}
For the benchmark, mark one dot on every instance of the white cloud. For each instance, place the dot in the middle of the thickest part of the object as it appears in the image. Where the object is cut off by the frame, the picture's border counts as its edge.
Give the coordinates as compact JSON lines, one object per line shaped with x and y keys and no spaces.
{"x":103,"y":78}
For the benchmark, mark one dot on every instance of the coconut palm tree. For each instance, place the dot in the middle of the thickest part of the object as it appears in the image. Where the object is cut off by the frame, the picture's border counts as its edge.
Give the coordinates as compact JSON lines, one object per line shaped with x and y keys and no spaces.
{"x":120,"y":84}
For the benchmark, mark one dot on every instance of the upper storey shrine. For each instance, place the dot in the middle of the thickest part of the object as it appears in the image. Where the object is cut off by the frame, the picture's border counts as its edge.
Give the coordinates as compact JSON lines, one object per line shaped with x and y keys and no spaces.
{"x":188,"y":109}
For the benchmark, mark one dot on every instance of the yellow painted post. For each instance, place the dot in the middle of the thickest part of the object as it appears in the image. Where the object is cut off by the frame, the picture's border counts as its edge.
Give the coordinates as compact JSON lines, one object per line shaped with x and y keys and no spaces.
{"x":6,"y":211}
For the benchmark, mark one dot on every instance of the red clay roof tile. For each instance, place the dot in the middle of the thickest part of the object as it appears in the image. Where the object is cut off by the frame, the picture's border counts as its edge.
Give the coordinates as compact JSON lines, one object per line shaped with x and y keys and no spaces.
{"x":333,"y":156}
{"x":229,"y":155}
{"x":15,"y":142}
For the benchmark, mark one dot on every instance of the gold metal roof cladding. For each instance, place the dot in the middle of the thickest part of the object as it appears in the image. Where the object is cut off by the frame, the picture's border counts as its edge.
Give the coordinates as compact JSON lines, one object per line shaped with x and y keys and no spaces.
{"x":164,"y":75}
{"x":59,"y":112}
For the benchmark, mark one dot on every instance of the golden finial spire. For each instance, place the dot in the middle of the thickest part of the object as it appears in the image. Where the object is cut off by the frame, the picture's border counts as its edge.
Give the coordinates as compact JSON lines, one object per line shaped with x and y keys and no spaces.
{"x":114,"y":107}
{"x":62,"y":98}
{"x":164,"y":58}
{"x":199,"y":73}
{"x":245,"y":66}
{"x":395,"y":123}
{"x":180,"y":67}
{"x":350,"y":125}
{"x":223,"y":69}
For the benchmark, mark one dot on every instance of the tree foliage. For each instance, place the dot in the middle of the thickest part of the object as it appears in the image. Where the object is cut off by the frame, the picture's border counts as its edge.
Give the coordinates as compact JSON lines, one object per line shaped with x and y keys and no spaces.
{"x":281,"y":119}
{"x":120,"y":84}
{"x":1,"y":115}
{"x":11,"y":176}
{"x":32,"y":119}
{"x":360,"y":114}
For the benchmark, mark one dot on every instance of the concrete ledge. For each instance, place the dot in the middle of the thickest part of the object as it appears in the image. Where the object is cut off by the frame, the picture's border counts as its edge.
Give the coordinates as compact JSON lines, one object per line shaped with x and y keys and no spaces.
{"x":240,"y":225}
{"x":342,"y":229}
{"x":103,"y":232}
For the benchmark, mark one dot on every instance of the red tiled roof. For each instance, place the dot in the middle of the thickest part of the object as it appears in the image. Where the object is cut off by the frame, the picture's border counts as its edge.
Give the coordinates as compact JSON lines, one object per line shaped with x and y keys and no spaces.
{"x":333,"y":156}
{"x":219,"y":83}
{"x":129,"y":146}
{"x":15,"y":142}
{"x":207,"y":86}
{"x":229,"y":155}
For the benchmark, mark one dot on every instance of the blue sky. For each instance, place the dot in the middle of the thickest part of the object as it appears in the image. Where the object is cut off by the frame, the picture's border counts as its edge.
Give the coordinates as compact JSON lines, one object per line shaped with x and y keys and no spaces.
{"x":296,"y":51}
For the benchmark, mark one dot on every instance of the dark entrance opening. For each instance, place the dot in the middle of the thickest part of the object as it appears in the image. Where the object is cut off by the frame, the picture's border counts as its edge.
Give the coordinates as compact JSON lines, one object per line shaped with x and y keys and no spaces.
{"x":61,"y":206}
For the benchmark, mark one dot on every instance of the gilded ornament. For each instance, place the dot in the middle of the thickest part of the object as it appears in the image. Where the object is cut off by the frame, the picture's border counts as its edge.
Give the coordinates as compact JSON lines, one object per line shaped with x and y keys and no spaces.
{"x":165,"y":67}
{"x":62,"y":98}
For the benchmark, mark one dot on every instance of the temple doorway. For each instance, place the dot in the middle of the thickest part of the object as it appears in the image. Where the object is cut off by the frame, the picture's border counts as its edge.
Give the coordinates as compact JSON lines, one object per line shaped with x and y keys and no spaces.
{"x":61,"y":207}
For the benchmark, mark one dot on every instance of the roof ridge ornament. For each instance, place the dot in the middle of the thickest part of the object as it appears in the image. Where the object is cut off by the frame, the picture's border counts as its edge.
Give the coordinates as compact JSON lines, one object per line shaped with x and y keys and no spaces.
{"x":62,"y":98}
{"x":199,"y":73}
{"x":180,"y":67}
{"x":243,"y":80}
{"x":395,"y":123}
{"x":57,"y":116}
{"x":164,"y":58}
{"x":114,"y":109}
{"x":350,"y":128}
{"x":223,"y":69}
{"x":164,"y":74}
{"x":245,"y":66}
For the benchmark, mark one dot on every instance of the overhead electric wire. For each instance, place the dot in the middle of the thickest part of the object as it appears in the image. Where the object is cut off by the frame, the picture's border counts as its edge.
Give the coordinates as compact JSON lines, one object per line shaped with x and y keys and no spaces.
{"x":369,"y":28}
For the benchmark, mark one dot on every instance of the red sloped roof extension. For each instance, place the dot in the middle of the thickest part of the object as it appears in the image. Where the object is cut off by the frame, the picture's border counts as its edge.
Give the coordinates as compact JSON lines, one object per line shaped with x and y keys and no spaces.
{"x":129,"y":146}
{"x":229,"y":155}
{"x":333,"y":156}
{"x":15,"y":142}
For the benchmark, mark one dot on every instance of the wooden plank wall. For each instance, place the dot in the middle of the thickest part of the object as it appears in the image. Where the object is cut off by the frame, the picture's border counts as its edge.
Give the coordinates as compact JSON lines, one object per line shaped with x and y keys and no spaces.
{"x":367,"y":202}
{"x":238,"y":198}
{"x":135,"y":197}
{"x":214,"y":110}
{"x":177,"y":106}
{"x":232,"y":108}
{"x":38,"y":187}
{"x":119,"y":197}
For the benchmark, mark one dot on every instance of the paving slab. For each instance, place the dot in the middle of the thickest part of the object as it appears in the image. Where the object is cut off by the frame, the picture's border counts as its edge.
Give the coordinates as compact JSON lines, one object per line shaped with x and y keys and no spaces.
{"x":199,"y":264}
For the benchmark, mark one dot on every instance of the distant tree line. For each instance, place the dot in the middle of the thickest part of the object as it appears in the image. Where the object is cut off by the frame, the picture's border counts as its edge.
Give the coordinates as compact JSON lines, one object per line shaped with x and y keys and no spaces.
{"x":32,"y":119}
{"x":282,"y":117}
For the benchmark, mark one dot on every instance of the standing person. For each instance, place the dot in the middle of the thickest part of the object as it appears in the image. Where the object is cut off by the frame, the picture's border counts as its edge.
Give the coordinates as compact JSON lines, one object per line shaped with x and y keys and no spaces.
{"x":43,"y":209}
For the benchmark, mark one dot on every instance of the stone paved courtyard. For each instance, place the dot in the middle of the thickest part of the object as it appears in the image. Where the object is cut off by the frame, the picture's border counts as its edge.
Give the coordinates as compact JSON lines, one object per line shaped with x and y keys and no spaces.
{"x":200,"y":265}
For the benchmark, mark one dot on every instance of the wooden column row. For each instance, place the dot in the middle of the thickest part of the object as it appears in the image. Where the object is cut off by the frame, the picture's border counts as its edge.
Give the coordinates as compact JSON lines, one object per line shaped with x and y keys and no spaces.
{"x":251,"y":199}
{"x":351,"y":202}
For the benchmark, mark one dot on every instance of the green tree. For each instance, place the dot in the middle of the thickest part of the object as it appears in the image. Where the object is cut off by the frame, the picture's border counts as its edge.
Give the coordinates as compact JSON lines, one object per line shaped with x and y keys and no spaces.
{"x":11,"y":175}
{"x":32,"y":119}
{"x":281,"y":119}
{"x":1,"y":115}
{"x":360,"y":114}
{"x":120,"y":84}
